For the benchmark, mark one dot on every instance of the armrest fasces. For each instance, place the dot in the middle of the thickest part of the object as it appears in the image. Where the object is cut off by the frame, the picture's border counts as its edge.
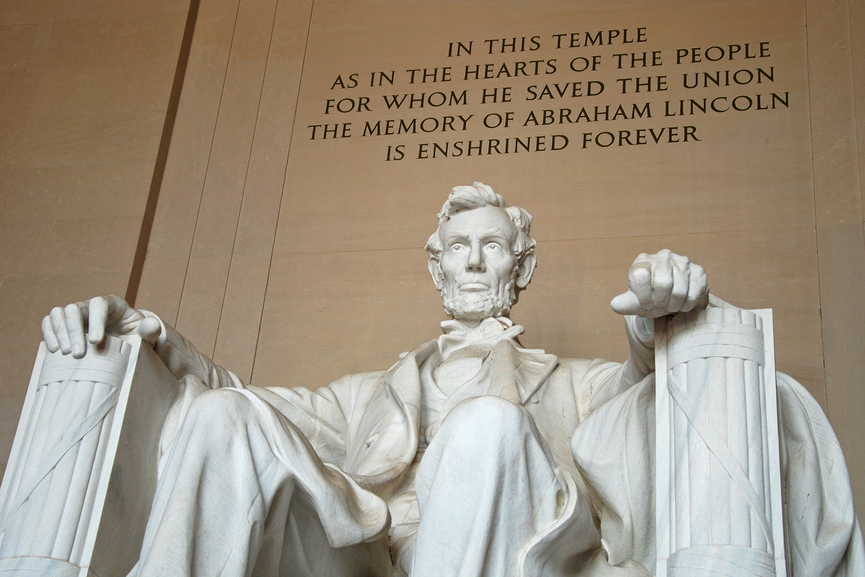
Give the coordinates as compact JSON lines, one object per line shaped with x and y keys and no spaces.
{"x":82,"y":471}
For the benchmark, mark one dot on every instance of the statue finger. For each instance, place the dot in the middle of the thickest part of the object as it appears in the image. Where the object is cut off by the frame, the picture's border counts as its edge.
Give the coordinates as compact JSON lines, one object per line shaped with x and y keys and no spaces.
{"x":75,"y":329}
{"x":698,"y":289}
{"x":662,"y":283}
{"x":640,"y":283}
{"x":98,"y":319}
{"x":681,"y":286}
{"x":122,"y":317}
{"x":58,"y":323}
{"x":680,"y":261}
{"x":48,"y":335}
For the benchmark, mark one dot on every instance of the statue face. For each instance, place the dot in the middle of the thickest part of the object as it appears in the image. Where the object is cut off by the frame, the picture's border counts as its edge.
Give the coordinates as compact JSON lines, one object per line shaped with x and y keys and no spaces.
{"x":478,"y":266}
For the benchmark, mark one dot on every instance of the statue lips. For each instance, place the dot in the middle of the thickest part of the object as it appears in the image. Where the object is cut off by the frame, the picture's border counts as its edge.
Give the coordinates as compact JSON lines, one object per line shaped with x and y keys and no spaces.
{"x":473,"y":287}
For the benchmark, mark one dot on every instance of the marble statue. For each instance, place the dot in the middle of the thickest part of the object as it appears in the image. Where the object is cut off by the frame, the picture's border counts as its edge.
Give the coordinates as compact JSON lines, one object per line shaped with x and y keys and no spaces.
{"x":470,"y":456}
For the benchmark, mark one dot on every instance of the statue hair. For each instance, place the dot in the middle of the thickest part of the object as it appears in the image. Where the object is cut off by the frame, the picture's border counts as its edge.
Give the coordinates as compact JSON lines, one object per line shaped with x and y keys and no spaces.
{"x":480,"y":195}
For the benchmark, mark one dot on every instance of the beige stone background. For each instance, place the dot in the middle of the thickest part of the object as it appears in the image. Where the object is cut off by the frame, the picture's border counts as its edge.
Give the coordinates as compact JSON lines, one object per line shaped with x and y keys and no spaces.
{"x":161,"y":150}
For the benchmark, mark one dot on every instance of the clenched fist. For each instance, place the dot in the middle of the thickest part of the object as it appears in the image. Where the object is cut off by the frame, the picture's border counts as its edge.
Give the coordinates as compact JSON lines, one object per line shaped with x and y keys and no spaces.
{"x":662,"y":284}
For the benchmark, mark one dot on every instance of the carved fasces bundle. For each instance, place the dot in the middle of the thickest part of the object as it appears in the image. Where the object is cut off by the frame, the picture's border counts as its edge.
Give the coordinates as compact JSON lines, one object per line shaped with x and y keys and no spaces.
{"x":717,"y":461}
{"x":82,"y":471}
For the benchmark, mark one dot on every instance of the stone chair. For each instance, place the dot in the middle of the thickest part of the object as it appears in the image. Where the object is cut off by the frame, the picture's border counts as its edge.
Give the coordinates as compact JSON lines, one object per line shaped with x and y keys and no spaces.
{"x":83,"y":468}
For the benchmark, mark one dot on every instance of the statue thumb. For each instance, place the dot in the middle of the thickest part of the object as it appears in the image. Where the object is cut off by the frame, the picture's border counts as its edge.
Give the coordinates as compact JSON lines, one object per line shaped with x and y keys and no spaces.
{"x":626,"y":304}
{"x":149,"y":329}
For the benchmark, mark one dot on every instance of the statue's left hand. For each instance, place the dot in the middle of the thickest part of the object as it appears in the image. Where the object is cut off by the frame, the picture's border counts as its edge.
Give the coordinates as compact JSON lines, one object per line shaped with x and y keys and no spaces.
{"x":662,"y":284}
{"x":63,"y":328}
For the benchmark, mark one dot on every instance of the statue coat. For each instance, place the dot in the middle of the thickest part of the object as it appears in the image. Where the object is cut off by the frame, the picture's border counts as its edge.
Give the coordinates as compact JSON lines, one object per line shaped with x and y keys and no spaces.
{"x":599,"y":430}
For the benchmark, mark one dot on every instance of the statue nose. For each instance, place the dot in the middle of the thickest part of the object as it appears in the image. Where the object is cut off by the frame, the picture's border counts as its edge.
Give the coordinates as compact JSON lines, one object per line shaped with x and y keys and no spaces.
{"x":476,"y":258}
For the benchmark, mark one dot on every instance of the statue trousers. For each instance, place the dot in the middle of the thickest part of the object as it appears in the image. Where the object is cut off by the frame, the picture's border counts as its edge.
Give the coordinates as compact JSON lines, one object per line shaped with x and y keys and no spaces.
{"x":242,"y":492}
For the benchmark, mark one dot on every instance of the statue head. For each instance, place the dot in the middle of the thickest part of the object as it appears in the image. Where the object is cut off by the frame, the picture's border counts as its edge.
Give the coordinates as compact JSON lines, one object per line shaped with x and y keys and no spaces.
{"x":481,"y":255}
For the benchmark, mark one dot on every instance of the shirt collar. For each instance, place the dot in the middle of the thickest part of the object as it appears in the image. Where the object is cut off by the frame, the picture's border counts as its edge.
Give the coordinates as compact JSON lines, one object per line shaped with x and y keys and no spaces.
{"x":488,"y":333}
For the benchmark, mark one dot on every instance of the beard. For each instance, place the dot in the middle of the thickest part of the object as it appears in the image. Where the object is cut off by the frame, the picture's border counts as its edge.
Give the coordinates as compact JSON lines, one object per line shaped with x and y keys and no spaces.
{"x":477,"y":306}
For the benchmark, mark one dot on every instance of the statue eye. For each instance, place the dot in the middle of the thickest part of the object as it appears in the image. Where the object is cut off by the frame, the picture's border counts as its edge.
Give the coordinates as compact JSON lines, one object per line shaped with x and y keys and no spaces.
{"x":493,"y":247}
{"x":457,"y":247}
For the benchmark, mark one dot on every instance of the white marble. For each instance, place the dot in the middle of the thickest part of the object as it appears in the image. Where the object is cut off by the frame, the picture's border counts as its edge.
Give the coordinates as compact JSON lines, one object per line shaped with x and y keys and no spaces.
{"x":83,"y":463}
{"x":472,"y":455}
{"x":716,"y":410}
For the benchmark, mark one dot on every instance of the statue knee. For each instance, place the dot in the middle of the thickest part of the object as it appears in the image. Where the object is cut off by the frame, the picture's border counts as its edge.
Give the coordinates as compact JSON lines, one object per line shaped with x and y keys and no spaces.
{"x":216,"y":411}
{"x":483,"y":437}
{"x":488,"y":417}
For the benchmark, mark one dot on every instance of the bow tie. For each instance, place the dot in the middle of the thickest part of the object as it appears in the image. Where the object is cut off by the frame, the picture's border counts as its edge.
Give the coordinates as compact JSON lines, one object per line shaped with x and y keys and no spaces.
{"x":488,"y":333}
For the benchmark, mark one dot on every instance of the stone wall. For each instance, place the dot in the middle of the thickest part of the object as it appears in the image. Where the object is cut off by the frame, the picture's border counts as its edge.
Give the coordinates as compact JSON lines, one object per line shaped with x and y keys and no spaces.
{"x":85,"y":94}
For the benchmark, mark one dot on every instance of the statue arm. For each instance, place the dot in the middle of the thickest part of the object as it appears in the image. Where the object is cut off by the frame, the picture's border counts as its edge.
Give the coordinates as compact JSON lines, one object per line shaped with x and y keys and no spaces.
{"x":659,"y":284}
{"x":182,"y":358}
{"x":641,"y":359}
{"x":72,"y":328}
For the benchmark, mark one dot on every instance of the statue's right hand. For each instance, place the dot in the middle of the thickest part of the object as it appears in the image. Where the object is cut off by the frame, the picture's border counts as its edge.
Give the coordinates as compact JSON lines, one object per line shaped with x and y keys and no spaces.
{"x":63,"y":328}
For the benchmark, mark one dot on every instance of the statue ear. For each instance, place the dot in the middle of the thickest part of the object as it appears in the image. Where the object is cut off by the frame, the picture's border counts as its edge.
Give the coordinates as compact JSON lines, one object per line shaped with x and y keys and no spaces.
{"x":526,"y":270}
{"x":435,"y":271}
